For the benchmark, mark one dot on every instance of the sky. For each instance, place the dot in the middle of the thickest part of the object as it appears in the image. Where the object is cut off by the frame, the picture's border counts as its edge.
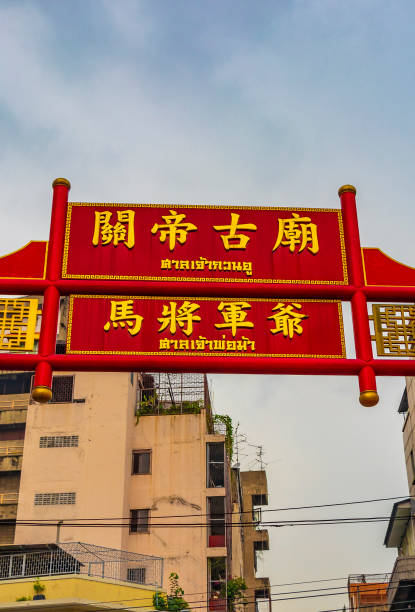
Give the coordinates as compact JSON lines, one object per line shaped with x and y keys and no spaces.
{"x":223,"y":102}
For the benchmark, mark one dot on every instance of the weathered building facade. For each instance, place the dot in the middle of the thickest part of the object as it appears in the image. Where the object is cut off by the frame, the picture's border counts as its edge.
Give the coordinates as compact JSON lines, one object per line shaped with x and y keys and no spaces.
{"x":133,"y":462}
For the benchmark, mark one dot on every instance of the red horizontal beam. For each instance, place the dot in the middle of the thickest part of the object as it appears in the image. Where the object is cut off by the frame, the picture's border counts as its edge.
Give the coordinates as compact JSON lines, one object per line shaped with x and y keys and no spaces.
{"x":229,"y":365}
{"x":113,"y":287}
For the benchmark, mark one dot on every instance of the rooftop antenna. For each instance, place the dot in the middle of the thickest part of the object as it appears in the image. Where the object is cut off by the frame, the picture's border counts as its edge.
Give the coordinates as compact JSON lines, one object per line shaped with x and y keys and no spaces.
{"x":237,"y":464}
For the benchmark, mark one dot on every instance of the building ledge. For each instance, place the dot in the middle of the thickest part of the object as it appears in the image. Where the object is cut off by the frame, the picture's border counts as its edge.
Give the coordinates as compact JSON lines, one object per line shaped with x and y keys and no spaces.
{"x":402,"y":580}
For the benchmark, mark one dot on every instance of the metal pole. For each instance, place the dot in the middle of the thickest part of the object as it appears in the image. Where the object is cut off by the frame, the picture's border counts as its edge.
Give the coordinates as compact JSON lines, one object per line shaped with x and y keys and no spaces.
{"x":58,"y":531}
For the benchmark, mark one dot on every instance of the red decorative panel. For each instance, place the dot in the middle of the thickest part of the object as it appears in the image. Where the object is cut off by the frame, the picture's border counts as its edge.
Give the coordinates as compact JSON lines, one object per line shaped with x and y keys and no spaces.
{"x":382,"y":270}
{"x":208,"y":327}
{"x":246,"y":245}
{"x":27,"y":262}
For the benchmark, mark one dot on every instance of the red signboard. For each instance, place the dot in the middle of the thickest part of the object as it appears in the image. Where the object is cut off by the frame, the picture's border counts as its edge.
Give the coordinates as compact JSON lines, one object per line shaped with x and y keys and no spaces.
{"x":205,"y":327}
{"x":281,"y":273}
{"x":245,"y":245}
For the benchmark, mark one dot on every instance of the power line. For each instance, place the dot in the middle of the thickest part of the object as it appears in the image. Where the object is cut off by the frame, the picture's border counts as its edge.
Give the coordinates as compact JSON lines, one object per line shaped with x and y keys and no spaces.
{"x":215,"y":520}
{"x":331,"y":505}
{"x":370,"y":586}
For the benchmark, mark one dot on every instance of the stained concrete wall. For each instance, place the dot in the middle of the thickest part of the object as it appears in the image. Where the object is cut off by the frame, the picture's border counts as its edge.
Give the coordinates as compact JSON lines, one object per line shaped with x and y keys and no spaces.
{"x":95,"y":470}
{"x":99,"y":472}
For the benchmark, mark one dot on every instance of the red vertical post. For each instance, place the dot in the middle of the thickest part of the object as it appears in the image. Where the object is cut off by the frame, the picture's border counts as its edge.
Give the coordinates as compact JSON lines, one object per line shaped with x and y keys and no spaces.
{"x":42,"y":388}
{"x":367,"y":380}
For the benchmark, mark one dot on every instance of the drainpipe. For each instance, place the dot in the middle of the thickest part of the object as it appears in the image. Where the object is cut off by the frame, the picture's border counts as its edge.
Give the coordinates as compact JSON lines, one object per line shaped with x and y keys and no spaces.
{"x":58,"y":531}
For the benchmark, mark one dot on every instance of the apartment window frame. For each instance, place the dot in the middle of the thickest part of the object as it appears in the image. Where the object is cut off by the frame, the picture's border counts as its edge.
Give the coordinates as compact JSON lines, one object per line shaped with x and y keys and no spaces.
{"x":214,"y":480}
{"x":216,"y":520}
{"x":139,"y":524}
{"x":137,"y":454}
{"x":215,"y":583}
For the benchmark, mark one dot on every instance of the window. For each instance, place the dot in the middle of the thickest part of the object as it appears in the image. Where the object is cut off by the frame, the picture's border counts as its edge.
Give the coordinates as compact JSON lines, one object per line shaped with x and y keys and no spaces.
{"x":216,"y":509}
{"x":215,"y":464}
{"x":260,"y":500}
{"x":54,"y":499}
{"x":141,"y":462}
{"x":217,"y":576}
{"x":15,"y":383}
{"x":58,"y":441}
{"x":411,"y":458}
{"x":60,"y":347}
{"x":136,"y":574}
{"x":62,"y":389}
{"x":139,"y":520}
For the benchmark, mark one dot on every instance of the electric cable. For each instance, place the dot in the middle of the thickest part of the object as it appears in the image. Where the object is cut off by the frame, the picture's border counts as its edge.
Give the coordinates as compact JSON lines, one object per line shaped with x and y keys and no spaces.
{"x":331,"y":505}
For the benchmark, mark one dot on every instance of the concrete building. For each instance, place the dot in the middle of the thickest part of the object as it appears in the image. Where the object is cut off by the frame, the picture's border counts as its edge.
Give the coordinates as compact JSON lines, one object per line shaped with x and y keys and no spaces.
{"x":135,"y":463}
{"x":368,"y":592}
{"x":400,"y":533}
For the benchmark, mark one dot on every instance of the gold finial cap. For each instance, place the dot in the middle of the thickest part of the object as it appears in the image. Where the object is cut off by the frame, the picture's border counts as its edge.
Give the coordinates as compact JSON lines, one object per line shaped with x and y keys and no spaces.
{"x":369,"y":398}
{"x":61,"y":181}
{"x":345,"y":188}
{"x":41,"y":394}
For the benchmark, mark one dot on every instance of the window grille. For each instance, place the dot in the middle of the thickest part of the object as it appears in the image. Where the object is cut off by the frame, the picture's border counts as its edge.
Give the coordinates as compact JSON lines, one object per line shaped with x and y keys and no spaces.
{"x":136,"y":574}
{"x":60,"y":348}
{"x":58,"y":441}
{"x":139,"y":520}
{"x":62,"y":389}
{"x":141,"y":462}
{"x":54,"y":499}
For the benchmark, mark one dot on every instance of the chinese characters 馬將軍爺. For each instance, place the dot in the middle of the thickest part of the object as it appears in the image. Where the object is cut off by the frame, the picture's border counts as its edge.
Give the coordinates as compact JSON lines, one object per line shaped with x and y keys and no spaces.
{"x":122,"y":314}
{"x":234,"y":316}
{"x":287,"y":321}
{"x":183,"y":317}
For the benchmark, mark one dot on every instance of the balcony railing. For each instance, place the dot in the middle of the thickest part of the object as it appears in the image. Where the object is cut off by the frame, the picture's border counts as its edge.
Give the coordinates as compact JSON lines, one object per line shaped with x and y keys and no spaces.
{"x":7,"y":450}
{"x":84,"y":559}
{"x":14,"y":404}
{"x":7,"y":499}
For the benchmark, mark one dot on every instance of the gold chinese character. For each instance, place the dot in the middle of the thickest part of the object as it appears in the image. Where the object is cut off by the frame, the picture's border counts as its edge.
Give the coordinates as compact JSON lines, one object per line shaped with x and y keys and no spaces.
{"x":182,"y":317}
{"x":297,"y":231}
{"x":287,"y":321}
{"x":234,"y":240}
{"x":18,"y":318}
{"x":122,"y":314}
{"x":122,"y":231}
{"x":174,"y":229}
{"x":234,"y":316}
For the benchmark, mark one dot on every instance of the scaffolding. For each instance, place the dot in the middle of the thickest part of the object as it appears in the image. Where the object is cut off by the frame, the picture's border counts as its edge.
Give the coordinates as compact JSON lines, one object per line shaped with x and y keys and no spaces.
{"x":172,"y":393}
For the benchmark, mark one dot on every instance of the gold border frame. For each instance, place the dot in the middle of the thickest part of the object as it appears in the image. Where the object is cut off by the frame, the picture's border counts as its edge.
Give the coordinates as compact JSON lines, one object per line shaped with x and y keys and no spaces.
{"x":195,"y":353}
{"x":194,"y":279}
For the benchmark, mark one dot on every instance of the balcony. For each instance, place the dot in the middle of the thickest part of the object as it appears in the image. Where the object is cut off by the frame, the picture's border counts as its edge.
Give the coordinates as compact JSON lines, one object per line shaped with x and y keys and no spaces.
{"x":13,"y":410}
{"x":261,"y":541}
{"x":8,"y":505}
{"x":80,"y":558}
{"x":402,"y":582}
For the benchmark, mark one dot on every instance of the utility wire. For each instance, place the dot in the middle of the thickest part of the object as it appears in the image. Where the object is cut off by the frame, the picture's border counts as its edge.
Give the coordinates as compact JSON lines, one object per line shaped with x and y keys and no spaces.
{"x":349,"y":503}
{"x":368,"y":588}
{"x":215,"y":520}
